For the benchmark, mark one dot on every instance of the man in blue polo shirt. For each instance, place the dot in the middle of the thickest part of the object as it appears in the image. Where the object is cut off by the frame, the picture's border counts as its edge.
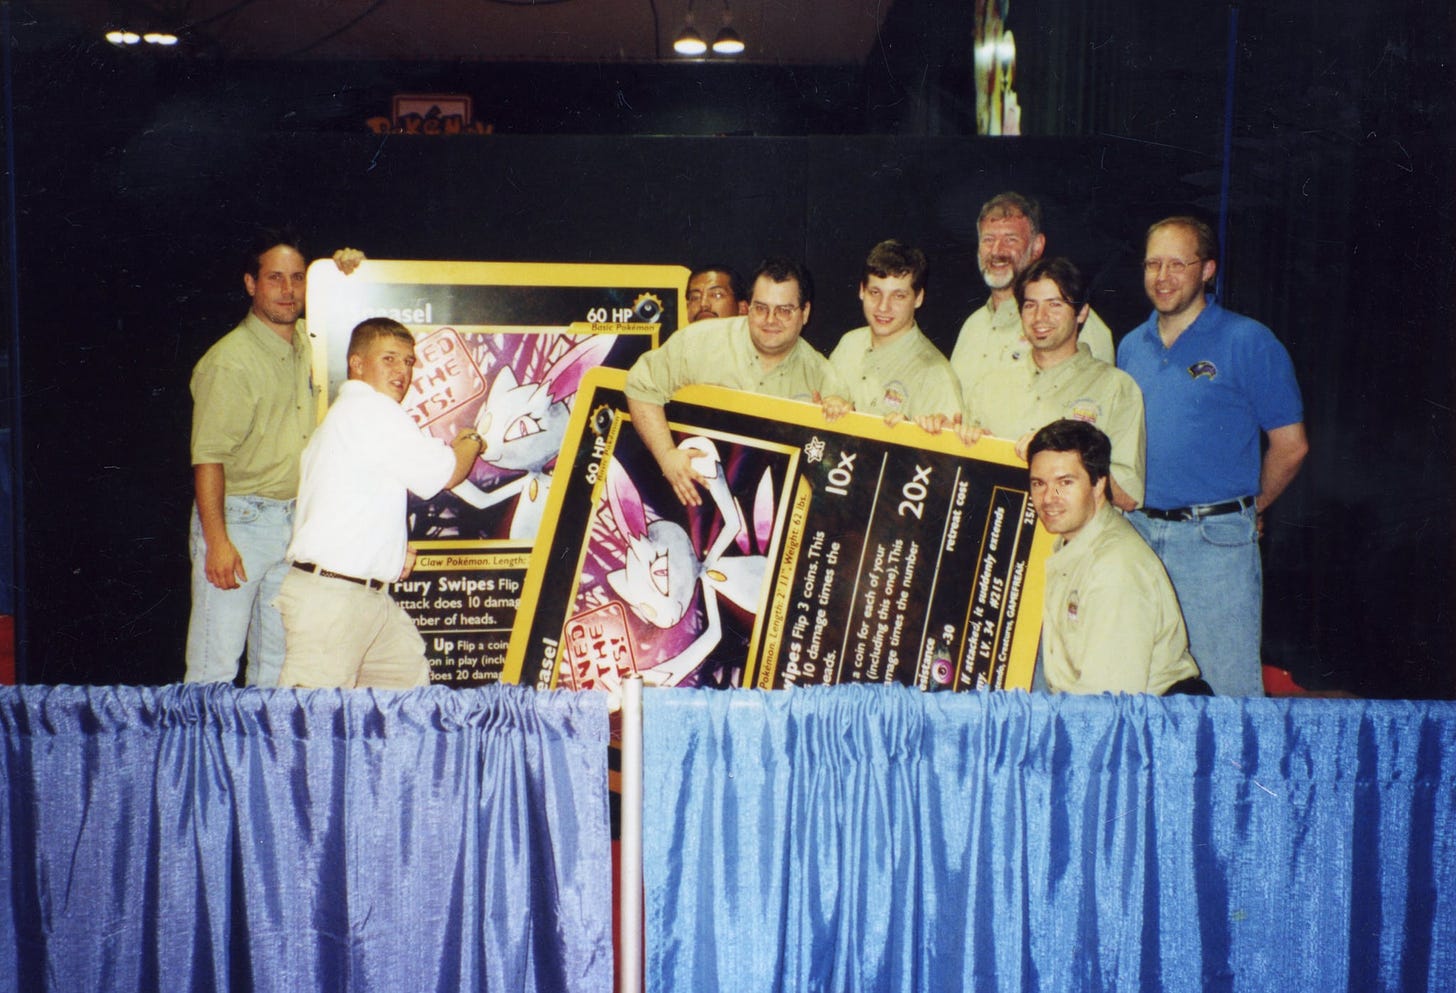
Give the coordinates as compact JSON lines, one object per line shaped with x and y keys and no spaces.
{"x":1214,"y":384}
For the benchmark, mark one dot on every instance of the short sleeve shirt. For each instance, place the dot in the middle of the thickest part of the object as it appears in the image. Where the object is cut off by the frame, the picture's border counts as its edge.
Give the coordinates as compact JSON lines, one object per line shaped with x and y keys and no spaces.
{"x":356,"y":470}
{"x":1024,"y":398}
{"x":906,"y":376}
{"x":1111,"y":622}
{"x":254,"y":407}
{"x":1225,"y":380}
{"x":719,"y":352}
{"x":992,"y":339}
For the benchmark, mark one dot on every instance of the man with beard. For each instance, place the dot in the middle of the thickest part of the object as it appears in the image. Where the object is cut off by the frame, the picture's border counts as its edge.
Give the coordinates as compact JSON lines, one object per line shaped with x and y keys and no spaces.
{"x":991,"y":339}
{"x":715,"y":291}
{"x":1217,"y":386}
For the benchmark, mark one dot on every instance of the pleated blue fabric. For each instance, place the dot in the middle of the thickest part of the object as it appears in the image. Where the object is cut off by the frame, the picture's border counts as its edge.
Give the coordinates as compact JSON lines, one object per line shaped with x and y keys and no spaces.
{"x":192,"y":838}
{"x":883,"y":839}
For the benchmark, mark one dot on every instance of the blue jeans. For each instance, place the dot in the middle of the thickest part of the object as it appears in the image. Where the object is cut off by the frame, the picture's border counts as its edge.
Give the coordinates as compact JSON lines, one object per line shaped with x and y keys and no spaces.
{"x":224,"y":621}
{"x":1214,"y":565}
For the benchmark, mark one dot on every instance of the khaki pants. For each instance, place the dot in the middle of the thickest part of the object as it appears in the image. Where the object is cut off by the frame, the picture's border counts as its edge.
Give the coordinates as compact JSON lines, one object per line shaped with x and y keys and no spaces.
{"x":341,"y":634}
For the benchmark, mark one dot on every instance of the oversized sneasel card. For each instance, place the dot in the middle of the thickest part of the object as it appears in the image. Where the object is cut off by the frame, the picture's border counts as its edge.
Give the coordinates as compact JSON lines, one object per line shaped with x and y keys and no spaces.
{"x":501,"y":348}
{"x":821,"y":552}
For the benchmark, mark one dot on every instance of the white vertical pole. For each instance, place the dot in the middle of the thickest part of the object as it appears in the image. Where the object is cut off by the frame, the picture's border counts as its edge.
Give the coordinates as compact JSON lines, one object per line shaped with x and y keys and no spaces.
{"x":629,"y":896}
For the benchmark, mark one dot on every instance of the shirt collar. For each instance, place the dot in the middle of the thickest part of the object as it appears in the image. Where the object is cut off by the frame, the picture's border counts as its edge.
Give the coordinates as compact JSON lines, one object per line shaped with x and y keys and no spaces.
{"x":269,"y":339}
{"x":1004,"y":316}
{"x":900,"y":342}
{"x":1205,"y":316}
{"x":1085,"y":537}
{"x":1075,"y":361}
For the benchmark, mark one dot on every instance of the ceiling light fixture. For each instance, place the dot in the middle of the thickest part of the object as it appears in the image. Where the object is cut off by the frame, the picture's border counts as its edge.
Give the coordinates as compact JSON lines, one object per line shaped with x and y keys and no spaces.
{"x":124,"y":38}
{"x":689,"y":42}
{"x":728,"y":41}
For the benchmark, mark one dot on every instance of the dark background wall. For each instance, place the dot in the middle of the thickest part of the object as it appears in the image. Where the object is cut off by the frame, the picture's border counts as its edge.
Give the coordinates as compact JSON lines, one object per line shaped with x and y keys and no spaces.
{"x":133,"y":182}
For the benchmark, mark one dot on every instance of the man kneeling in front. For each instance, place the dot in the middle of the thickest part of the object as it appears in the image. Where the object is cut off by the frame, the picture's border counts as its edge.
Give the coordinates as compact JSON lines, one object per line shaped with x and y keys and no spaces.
{"x":341,"y":626}
{"x":1111,"y":622}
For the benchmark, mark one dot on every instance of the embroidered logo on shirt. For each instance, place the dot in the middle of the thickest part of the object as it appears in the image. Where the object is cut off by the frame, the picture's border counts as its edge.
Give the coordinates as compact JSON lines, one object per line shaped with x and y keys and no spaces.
{"x":894,"y":397}
{"x":1084,"y":409}
{"x":1204,"y":367}
{"x":1072,"y":606}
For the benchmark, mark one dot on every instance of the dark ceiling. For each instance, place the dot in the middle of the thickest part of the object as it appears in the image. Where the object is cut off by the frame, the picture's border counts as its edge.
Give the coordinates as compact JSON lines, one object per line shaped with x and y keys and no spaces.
{"x":797,"y":32}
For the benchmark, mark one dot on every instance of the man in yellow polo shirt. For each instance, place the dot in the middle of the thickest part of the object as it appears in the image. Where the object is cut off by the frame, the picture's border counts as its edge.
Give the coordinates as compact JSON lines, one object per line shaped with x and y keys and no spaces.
{"x":1062,"y":379}
{"x":891,"y":368}
{"x":1111,"y":622}
{"x":760,"y":352}
{"x":254,"y":407}
{"x":1010,"y":236}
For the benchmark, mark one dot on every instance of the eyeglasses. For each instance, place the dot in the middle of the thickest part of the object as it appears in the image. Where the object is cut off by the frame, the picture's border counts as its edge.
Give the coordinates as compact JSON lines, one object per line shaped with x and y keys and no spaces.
{"x":784,"y":311}
{"x":1175,"y":267}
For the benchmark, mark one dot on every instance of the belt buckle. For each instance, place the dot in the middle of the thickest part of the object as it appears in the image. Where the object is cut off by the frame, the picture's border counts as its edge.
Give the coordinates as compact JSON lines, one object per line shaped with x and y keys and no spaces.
{"x":1234,"y":506}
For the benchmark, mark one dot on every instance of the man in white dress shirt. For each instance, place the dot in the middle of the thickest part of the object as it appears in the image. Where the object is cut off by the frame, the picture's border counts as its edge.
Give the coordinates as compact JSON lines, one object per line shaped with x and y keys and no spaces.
{"x":342,"y":628}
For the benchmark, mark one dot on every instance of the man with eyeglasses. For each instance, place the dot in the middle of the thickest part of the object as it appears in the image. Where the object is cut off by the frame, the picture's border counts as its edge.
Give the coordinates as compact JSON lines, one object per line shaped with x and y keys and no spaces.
{"x":891,"y":368}
{"x":759,"y":352}
{"x":715,"y":291}
{"x":1062,"y":380}
{"x":991,"y":339}
{"x":1215,"y":385}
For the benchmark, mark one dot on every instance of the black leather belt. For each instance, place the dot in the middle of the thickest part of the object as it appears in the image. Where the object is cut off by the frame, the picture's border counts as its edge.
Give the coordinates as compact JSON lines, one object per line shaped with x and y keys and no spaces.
{"x":373,"y":584}
{"x":1199,"y":510}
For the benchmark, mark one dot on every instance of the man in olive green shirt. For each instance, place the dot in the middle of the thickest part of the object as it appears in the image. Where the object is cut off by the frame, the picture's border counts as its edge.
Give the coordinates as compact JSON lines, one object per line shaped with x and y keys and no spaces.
{"x":254,"y":407}
{"x":1111,"y":622}
{"x":761,"y":352}
{"x":891,"y":368}
{"x":1062,"y":379}
{"x":991,"y":340}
